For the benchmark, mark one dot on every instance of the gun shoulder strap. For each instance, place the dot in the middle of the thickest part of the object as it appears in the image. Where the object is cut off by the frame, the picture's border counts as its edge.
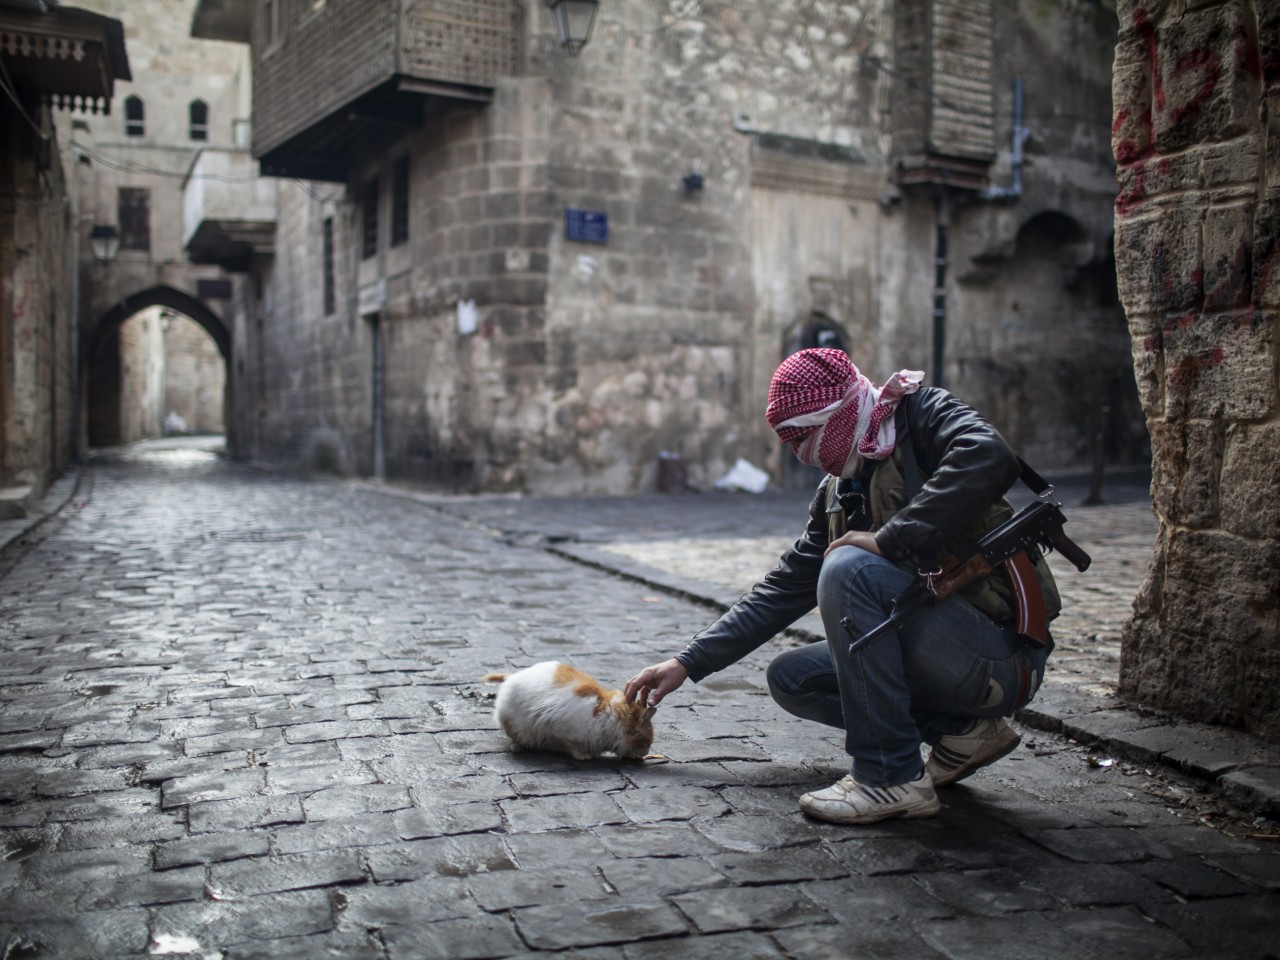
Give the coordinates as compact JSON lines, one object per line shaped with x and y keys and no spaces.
{"x":1037,"y":483}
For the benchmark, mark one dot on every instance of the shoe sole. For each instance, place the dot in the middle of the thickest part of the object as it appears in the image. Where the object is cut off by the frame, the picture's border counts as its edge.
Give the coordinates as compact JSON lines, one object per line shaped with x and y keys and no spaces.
{"x":916,"y":812}
{"x":973,"y":764}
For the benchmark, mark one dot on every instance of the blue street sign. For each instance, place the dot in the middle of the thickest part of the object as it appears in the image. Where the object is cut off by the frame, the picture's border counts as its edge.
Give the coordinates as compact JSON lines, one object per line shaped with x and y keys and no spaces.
{"x":586,"y":226}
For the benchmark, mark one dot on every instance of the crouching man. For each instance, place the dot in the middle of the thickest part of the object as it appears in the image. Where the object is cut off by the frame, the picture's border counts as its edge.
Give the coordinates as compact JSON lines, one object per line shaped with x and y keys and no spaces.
{"x":910,"y":471}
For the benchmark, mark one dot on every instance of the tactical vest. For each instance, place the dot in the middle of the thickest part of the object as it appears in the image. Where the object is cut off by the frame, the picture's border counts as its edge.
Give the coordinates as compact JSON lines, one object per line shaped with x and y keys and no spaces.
{"x":885,"y":491}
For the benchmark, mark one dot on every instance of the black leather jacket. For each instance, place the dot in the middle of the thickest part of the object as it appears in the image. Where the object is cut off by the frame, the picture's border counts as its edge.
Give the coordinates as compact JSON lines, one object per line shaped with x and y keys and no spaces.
{"x":965,"y":465}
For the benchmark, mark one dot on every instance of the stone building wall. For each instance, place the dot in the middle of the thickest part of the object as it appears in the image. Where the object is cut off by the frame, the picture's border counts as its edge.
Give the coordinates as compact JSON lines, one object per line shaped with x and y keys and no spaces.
{"x":586,"y":361}
{"x":665,"y":337}
{"x":1197,"y":138}
{"x":35,"y":306}
{"x":194,"y":376}
{"x":1035,"y":335}
{"x":170,"y":70}
{"x":142,"y":376}
{"x":303,"y":375}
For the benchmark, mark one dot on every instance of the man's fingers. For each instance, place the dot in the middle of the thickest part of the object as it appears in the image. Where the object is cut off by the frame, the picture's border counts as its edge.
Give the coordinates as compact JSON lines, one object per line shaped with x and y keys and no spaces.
{"x":637,"y":686}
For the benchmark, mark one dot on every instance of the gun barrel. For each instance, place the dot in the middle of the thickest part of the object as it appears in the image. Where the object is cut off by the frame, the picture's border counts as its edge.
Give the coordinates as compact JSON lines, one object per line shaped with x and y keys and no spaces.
{"x":873,"y":634}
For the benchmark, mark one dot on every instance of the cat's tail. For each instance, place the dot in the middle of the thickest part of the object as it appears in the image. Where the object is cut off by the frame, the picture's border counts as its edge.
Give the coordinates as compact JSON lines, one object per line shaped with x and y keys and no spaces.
{"x":495,"y":677}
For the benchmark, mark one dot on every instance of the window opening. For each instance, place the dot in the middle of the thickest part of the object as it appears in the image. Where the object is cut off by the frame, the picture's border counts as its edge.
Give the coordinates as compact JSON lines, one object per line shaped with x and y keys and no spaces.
{"x":330,"y":299}
{"x":134,"y":117}
{"x":199,"y":114}
{"x":400,"y":203}
{"x":369,"y":234}
{"x":134,"y":213}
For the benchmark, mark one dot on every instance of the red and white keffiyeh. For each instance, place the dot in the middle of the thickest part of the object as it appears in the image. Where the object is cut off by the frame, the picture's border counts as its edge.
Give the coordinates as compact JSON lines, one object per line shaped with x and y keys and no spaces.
{"x":820,"y":404}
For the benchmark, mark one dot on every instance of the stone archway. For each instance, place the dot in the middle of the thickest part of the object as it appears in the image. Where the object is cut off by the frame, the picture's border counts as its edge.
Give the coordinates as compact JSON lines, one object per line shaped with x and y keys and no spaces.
{"x":174,"y":299}
{"x":101,"y":374}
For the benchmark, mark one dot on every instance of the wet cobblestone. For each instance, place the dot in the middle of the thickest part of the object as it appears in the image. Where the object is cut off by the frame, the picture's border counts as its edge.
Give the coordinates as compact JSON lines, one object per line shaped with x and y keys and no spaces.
{"x":241,"y":716}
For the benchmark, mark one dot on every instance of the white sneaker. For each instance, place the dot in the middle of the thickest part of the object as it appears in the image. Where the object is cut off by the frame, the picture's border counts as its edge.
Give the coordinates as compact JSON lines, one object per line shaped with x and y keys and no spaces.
{"x":849,"y":801}
{"x":957,"y":755}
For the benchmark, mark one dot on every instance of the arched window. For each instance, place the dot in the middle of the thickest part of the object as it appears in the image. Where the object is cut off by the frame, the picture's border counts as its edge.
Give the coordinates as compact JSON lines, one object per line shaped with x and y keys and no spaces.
{"x":199,"y":126}
{"x":135,"y":124}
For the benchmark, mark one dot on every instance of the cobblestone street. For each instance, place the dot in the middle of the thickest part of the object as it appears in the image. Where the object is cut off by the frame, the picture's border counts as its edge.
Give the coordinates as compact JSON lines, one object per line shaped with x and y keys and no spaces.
{"x":241,"y":717}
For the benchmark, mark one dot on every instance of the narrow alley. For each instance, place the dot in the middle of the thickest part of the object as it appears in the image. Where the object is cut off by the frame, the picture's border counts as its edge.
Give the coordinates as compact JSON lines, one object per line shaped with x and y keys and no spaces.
{"x":241,"y":716}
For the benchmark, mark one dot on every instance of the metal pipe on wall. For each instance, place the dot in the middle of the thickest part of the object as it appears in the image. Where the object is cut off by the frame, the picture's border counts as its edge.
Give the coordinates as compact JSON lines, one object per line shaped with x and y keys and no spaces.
{"x":943,"y":207}
{"x":379,"y":399}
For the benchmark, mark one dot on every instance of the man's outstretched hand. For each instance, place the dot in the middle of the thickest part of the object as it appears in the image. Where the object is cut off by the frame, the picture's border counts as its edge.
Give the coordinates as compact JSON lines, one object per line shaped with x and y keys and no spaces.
{"x":856,"y":538}
{"x":653,"y":683}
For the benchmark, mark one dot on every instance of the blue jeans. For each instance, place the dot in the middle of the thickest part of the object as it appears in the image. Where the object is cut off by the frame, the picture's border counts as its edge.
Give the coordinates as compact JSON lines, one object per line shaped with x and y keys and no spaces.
{"x":929,"y":678}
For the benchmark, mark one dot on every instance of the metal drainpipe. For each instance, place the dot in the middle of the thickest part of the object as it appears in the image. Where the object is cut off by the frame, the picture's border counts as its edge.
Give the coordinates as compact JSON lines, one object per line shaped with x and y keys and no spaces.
{"x":78,"y":159}
{"x":940,"y":285}
{"x":1018,"y":140}
{"x":379,"y":402}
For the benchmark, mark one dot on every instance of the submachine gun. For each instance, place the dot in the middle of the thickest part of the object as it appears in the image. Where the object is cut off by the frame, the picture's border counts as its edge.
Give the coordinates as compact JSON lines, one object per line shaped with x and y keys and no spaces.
{"x":1039,"y":524}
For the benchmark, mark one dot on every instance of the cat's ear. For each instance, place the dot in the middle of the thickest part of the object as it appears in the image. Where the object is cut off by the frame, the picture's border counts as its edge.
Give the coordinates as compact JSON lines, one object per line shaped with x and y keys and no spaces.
{"x":648,"y":714}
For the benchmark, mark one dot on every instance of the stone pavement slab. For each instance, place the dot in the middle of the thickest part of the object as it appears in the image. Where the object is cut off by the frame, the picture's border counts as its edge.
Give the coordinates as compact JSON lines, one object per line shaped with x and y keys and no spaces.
{"x":242,"y":717}
{"x":710,"y":549}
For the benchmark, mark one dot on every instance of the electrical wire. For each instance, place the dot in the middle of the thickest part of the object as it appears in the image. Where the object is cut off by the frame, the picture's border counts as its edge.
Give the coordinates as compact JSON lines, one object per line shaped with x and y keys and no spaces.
{"x":129,"y":166}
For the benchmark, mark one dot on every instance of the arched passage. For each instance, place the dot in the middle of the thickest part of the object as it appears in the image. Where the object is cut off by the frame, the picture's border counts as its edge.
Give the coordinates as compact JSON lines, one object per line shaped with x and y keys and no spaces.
{"x":1045,"y":352}
{"x":174,"y":299}
{"x":113,"y":384}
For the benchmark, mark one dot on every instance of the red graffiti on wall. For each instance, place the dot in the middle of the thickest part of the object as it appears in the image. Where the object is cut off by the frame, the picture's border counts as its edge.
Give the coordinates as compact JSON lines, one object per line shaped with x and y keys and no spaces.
{"x":1187,"y":371}
{"x":1226,"y":295}
{"x":1210,"y":64}
{"x":1236,"y":282}
{"x":1135,"y":152}
{"x":20,"y":301}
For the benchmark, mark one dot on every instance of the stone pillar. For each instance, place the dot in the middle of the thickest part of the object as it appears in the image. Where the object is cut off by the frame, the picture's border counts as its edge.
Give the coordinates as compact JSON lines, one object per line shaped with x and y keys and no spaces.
{"x":1196,"y":135}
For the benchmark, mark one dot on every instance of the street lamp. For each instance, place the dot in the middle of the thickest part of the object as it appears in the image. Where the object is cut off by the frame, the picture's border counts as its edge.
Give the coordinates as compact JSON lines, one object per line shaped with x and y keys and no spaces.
{"x":574,"y":20}
{"x":104,"y":240}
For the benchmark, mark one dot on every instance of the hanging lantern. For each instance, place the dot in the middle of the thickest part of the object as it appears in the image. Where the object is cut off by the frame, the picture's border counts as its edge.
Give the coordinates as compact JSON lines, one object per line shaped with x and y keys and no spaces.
{"x":574,"y":20}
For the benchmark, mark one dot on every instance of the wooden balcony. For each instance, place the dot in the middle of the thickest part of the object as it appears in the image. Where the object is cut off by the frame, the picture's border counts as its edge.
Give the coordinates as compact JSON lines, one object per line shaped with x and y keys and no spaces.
{"x":69,"y":57}
{"x":334,"y":77}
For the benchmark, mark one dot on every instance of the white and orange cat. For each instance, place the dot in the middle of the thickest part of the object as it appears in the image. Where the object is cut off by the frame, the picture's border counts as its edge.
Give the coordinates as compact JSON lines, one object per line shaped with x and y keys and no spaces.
{"x":553,"y":706}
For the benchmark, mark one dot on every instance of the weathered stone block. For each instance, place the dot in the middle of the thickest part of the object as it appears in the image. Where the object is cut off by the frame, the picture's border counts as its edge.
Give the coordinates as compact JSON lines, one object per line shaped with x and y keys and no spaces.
{"x":1159,"y":260}
{"x":1220,"y":366}
{"x":1185,"y":671}
{"x":1250,"y":497}
{"x":1211,"y":655}
{"x":1228,"y":256}
{"x":1224,"y":164}
{"x":1266,"y":254}
{"x":502,"y":206}
{"x":559,"y":926}
{"x":471,"y":209}
{"x":1186,"y":460}
{"x":475,"y":180}
{"x":1229,"y":567}
{"x":479,"y":237}
{"x":1204,"y":92}
{"x":1147,"y":349}
{"x":1261,"y":674}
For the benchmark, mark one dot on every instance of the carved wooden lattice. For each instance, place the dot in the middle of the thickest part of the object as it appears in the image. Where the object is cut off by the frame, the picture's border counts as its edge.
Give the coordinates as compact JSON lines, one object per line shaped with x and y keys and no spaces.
{"x":461,"y":41}
{"x":328,"y":57}
{"x":962,"y":106}
{"x":41,"y":45}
